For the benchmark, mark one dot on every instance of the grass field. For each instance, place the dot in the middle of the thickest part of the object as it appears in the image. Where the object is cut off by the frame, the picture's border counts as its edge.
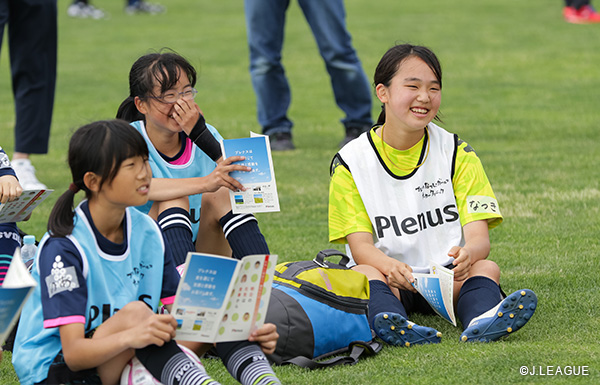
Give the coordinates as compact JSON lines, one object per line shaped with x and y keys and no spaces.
{"x":520,"y":85}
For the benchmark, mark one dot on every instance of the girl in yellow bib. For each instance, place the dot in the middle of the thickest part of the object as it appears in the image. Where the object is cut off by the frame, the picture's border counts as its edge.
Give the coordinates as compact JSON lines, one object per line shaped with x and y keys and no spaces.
{"x":409,"y":192}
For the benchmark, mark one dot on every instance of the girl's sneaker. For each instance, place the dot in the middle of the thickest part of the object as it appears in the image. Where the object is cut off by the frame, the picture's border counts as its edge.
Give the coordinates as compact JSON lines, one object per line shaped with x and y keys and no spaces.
{"x":507,"y":317}
{"x":396,"y":330}
{"x":85,"y":11}
{"x":142,"y":6}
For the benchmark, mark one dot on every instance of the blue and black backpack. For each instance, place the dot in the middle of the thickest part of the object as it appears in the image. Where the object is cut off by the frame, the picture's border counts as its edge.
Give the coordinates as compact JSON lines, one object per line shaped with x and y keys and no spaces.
{"x":320,"y":309}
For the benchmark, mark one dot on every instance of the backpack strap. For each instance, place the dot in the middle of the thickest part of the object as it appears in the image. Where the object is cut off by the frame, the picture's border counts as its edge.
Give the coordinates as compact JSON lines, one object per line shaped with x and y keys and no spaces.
{"x":320,"y":258}
{"x":357,"y":349}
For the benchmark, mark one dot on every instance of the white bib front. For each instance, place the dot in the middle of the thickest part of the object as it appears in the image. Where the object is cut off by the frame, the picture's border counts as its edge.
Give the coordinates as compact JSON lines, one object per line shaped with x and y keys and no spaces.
{"x":415,"y":218}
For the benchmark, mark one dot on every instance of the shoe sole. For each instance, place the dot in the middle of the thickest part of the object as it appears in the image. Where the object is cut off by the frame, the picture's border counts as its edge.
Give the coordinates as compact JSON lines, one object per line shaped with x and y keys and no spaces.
{"x":514,"y":312}
{"x":396,"y":330}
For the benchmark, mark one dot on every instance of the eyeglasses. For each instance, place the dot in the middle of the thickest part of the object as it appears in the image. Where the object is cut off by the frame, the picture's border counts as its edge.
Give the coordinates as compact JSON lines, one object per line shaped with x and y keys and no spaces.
{"x":171,"y":97}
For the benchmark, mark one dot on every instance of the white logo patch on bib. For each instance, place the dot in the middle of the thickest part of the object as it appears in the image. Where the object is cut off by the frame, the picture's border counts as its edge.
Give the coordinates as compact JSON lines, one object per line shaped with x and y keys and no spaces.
{"x":61,"y":278}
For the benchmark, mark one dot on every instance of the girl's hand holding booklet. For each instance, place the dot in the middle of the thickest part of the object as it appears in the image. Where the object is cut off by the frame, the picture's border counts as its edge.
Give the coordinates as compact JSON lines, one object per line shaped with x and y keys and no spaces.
{"x":261,"y":190}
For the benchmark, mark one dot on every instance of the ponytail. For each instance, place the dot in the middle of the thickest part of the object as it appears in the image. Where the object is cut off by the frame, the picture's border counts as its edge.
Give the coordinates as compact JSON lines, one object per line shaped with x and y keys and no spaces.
{"x":60,"y":222}
{"x":128,"y":111}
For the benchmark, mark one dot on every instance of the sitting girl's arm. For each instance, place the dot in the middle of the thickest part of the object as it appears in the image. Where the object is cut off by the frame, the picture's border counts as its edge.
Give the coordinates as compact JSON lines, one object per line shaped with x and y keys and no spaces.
{"x":477,"y":247}
{"x":84,"y":353}
{"x":163,"y":189}
{"x":364,"y":252}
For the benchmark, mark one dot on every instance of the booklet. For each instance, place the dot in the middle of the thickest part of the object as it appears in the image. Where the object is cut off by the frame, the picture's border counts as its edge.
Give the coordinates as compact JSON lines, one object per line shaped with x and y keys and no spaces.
{"x":437,"y":288}
{"x":222,"y":299}
{"x":18,"y":285}
{"x":261,"y":189}
{"x":21,"y":207}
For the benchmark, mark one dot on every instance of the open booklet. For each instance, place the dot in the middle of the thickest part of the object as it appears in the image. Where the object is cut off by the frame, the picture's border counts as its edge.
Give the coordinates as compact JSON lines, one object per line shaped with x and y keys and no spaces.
{"x":20,"y":208}
{"x":18,"y":285}
{"x":261,"y":189}
{"x":437,"y":287}
{"x":222,"y":299}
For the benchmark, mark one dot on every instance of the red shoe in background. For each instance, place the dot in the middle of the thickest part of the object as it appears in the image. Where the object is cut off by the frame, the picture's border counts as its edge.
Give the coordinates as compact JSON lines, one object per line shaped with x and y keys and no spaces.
{"x":589,"y":14}
{"x":584,"y":15}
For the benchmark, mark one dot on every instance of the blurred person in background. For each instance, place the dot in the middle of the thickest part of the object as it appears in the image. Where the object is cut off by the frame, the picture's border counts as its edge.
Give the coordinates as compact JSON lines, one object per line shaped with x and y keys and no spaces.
{"x":32,"y":43}
{"x":265,"y":22}
{"x":84,"y":10}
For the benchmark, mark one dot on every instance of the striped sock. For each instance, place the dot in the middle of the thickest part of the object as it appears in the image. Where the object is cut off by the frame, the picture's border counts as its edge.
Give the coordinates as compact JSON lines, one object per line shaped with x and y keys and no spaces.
{"x":170,"y":365}
{"x":243,"y":235}
{"x":177,"y":228}
{"x":247,"y":363}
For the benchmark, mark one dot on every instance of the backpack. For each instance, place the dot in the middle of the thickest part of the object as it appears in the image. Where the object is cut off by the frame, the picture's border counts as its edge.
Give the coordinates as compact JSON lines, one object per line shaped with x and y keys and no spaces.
{"x":320,"y":310}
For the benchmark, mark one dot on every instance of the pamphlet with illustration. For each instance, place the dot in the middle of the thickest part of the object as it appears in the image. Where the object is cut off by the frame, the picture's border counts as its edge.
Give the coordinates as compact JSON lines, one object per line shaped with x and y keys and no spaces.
{"x":222,"y":299}
{"x":20,"y":208}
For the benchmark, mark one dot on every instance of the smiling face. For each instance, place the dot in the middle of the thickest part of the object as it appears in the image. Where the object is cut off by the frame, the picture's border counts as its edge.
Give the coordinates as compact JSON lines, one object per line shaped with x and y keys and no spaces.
{"x":413,"y":97}
{"x":159,"y":115}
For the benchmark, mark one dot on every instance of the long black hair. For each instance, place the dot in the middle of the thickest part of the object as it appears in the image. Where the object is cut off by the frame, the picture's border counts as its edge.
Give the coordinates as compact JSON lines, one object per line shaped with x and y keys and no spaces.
{"x":163,"y":68}
{"x":392,"y":60}
{"x":99,"y":147}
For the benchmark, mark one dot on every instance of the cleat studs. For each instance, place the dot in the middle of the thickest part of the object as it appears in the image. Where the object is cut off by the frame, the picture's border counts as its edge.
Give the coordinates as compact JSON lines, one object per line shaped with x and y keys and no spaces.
{"x":523,"y":293}
{"x":385,"y":316}
{"x":521,"y":307}
{"x":505,"y":305}
{"x":392,"y":327}
{"x":527,"y":316}
{"x":464,"y":338}
{"x":402,"y":332}
{"x":438,"y":334}
{"x":409,"y":327}
{"x":407,"y":344}
{"x":509,"y":330}
{"x":511,"y":315}
{"x":500,"y":314}
{"x":532,"y":306}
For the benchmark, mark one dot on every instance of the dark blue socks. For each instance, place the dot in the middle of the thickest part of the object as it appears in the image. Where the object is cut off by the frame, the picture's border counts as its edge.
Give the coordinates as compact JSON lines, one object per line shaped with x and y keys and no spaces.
{"x":382,"y":300}
{"x":477,"y":295}
{"x":177,"y":228}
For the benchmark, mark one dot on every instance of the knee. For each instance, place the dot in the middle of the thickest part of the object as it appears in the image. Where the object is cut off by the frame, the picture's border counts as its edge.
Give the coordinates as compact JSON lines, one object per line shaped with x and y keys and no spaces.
{"x":486,"y":268}
{"x":182,"y":202}
{"x":371,"y":272}
{"x":215,"y":205}
{"x":135,"y":312}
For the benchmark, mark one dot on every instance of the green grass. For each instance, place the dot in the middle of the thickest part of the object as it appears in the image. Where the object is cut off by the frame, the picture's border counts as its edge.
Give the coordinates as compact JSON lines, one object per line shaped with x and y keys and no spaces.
{"x":520,"y":85}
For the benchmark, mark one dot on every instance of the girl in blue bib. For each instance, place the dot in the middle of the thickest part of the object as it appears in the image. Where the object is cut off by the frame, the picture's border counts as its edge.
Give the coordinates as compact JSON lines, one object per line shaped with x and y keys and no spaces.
{"x":188,"y":171}
{"x":102,"y":271}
